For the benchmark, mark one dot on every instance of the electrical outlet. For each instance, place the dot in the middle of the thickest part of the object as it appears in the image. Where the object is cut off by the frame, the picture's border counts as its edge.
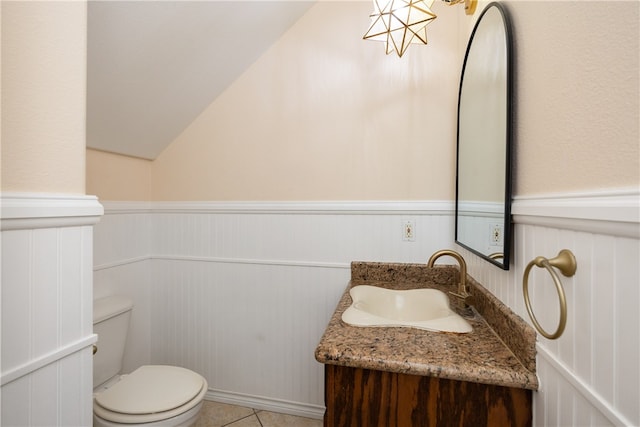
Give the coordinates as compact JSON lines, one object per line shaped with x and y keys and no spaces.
{"x":496,"y":234}
{"x":409,"y":230}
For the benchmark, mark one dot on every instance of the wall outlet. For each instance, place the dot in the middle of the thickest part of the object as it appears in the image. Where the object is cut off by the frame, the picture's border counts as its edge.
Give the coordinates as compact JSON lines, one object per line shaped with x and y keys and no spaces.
{"x":496,"y":235}
{"x":409,"y":230}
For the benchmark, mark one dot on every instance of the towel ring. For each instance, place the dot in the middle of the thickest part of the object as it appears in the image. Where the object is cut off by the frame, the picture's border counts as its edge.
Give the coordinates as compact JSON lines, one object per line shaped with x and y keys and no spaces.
{"x":566,"y":263}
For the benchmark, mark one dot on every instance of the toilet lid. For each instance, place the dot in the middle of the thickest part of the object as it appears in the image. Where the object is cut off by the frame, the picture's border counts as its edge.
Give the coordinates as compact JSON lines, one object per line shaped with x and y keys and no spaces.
{"x":151,"y":389}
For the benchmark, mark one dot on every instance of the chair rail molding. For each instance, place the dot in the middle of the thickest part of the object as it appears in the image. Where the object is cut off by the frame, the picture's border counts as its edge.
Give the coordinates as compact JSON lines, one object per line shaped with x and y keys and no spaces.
{"x":21,"y":211}
{"x":411,"y":207}
{"x":614,"y":212}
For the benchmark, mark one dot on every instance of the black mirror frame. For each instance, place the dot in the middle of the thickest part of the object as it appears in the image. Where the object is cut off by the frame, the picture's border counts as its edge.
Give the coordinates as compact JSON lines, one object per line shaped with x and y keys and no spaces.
{"x":507,"y":228}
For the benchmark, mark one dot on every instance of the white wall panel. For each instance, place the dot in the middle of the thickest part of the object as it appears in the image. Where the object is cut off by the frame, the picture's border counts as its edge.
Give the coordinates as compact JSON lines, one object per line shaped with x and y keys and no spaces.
{"x":590,"y":375}
{"x":243,"y":296}
{"x":317,"y":238}
{"x":58,"y":394}
{"x":16,"y":293}
{"x":627,"y":328}
{"x":125,"y":236}
{"x":249,"y":329}
{"x":243,"y":293}
{"x":46,"y":299}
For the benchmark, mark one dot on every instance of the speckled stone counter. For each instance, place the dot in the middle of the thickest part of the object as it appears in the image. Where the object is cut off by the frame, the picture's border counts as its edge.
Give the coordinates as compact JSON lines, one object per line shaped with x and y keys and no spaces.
{"x":500,"y":350}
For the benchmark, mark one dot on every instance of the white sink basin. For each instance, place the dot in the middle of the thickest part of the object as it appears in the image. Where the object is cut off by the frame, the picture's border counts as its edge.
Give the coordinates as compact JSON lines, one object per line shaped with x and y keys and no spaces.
{"x":415,"y":308}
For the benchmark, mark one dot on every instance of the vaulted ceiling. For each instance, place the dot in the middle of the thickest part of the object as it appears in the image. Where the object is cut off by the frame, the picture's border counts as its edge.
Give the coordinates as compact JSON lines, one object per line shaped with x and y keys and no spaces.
{"x":154,"y":66}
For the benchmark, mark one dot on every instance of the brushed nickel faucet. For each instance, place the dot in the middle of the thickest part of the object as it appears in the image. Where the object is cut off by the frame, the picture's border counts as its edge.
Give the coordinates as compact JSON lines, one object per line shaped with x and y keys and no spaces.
{"x":463,"y":292}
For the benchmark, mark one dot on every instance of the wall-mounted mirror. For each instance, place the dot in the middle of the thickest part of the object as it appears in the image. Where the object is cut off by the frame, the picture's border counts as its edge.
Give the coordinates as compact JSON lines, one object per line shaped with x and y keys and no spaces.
{"x":483,"y":182}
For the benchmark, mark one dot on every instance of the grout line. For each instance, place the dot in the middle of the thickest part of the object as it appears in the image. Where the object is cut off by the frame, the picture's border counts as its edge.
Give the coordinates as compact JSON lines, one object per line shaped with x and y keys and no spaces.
{"x":255,"y":411}
{"x":256,"y":414}
{"x":243,"y":418}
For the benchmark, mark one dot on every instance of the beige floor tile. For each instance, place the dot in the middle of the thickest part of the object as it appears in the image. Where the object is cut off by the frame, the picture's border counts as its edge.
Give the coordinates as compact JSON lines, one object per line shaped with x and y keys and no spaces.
{"x":251,"y":421}
{"x":272,"y":419}
{"x":216,"y":414}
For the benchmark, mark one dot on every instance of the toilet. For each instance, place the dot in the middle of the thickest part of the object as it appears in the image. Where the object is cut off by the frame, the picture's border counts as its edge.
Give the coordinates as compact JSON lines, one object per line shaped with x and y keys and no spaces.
{"x":152,"y":395}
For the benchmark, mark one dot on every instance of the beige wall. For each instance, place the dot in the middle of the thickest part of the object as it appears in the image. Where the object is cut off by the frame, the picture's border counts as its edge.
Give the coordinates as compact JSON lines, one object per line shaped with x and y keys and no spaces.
{"x":577,"y":95}
{"x":117,"y":177}
{"x":324,"y":115}
{"x":43,"y":96}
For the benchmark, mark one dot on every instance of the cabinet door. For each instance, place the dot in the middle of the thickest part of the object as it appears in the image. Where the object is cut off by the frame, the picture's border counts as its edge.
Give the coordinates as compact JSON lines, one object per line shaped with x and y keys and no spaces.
{"x":366,"y":398}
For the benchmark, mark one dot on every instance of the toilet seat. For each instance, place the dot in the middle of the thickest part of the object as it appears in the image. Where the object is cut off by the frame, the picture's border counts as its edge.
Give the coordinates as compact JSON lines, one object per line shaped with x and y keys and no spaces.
{"x":150,"y":393}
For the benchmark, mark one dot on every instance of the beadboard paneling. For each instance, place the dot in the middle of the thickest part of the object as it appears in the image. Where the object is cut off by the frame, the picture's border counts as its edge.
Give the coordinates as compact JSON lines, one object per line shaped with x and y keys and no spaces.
{"x":590,"y":376}
{"x":241,"y":292}
{"x":46,"y":322}
{"x":307,"y":237}
{"x":248,"y":328}
{"x":126,"y":236}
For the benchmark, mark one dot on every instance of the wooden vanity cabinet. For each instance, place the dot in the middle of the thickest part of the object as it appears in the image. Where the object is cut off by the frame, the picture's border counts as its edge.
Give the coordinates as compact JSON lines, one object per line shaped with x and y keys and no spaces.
{"x":357,"y":397}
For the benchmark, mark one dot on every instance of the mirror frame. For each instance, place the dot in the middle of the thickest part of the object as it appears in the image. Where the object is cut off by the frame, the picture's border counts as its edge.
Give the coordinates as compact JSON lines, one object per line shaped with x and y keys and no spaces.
{"x":507,"y":229}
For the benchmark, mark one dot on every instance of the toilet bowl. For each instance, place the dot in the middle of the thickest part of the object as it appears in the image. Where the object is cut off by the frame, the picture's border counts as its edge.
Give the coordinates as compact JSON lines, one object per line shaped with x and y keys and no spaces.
{"x":150,"y":396}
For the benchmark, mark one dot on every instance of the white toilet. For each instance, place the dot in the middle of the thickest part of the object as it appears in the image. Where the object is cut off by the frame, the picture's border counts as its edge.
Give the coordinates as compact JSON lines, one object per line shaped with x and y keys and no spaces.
{"x":152,"y":395}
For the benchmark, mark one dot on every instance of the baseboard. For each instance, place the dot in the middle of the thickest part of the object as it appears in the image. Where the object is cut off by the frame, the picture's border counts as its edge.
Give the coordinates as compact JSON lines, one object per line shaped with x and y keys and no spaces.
{"x":266,"y":404}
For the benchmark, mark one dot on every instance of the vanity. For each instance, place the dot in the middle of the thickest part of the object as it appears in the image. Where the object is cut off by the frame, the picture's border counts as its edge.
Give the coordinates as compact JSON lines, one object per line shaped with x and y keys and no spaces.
{"x":400,"y":376}
{"x":379,"y":373}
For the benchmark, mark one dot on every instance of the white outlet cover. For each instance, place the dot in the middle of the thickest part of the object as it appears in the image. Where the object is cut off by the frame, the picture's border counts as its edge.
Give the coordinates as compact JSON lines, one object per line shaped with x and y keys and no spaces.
{"x":496,"y":234}
{"x":409,"y":231}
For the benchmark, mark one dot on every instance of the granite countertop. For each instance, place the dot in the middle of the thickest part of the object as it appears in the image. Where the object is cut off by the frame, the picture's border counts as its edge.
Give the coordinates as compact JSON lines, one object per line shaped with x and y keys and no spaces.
{"x":500,"y":350}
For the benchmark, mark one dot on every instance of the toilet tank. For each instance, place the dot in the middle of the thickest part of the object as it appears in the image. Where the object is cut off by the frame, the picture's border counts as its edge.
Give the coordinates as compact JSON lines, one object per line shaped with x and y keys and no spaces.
{"x":111,"y":322}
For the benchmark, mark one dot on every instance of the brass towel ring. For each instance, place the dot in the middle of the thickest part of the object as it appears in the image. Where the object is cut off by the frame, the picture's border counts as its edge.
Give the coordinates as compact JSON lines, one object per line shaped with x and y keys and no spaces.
{"x":566,"y":263}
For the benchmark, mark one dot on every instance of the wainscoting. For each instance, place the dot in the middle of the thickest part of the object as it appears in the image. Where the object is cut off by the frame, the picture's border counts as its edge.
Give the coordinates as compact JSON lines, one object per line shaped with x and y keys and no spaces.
{"x":47,"y":330}
{"x":590,"y":376}
{"x":241,"y":292}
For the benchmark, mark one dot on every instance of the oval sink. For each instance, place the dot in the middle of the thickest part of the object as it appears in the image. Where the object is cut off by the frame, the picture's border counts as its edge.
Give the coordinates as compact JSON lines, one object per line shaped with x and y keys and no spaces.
{"x":415,"y":308}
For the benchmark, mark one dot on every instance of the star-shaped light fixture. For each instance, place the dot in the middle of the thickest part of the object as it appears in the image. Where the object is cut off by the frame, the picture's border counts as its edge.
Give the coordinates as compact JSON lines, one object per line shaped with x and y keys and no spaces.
{"x":400,"y":23}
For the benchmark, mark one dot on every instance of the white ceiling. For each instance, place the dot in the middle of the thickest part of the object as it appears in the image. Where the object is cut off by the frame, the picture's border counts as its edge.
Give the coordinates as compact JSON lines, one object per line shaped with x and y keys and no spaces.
{"x":153,"y":66}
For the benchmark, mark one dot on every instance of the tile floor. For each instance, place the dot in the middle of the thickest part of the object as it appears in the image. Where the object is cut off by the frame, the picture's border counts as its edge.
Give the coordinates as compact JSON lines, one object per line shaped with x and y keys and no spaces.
{"x":216,"y":414}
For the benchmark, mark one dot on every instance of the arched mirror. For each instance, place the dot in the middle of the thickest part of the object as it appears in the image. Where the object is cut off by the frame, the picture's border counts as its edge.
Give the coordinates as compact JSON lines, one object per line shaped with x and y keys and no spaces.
{"x":483,"y":181}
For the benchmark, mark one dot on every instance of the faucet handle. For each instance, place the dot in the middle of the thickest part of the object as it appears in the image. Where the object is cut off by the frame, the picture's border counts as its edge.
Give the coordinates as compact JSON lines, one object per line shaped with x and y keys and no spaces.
{"x":463,"y":296}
